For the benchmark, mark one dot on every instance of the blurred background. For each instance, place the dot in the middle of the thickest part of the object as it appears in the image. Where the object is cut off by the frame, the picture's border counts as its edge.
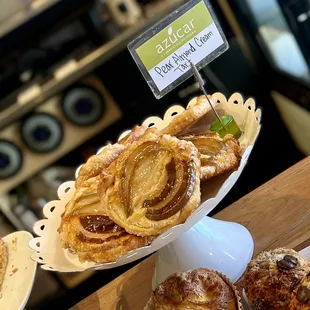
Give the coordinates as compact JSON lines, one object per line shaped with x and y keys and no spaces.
{"x":68,"y":86}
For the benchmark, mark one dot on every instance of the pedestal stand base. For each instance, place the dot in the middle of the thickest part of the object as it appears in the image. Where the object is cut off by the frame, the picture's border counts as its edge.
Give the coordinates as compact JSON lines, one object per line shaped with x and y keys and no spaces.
{"x":222,"y":246}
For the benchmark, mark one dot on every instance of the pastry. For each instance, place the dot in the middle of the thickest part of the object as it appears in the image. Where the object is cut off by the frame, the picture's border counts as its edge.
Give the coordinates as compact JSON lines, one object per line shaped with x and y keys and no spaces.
{"x":97,"y":162}
{"x":153,"y":185}
{"x":200,"y":289}
{"x":136,"y":133}
{"x":85,"y":228}
{"x":272,"y":277}
{"x":217,"y":155}
{"x":3,"y":260}
{"x":87,"y":231}
{"x":197,"y":108}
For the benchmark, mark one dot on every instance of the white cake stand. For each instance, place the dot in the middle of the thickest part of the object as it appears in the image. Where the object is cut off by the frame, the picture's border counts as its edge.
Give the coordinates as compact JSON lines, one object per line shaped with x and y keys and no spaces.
{"x":199,"y":242}
{"x":218,"y":245}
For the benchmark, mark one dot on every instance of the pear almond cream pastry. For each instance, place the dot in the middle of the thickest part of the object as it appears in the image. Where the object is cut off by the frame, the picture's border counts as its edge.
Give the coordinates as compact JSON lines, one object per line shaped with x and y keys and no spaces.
{"x":217,"y":155}
{"x":97,"y":162}
{"x":87,"y":231}
{"x":85,"y":227}
{"x":272,"y":278}
{"x":197,"y":108}
{"x":200,"y":289}
{"x":153,"y":185}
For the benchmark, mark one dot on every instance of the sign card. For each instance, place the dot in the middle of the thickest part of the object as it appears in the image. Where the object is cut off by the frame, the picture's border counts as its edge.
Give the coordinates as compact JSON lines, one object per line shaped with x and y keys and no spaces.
{"x":164,"y":52}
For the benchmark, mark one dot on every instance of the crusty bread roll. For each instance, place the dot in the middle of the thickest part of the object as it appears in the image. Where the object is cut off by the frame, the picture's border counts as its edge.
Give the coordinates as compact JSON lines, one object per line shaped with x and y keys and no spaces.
{"x":200,"y":289}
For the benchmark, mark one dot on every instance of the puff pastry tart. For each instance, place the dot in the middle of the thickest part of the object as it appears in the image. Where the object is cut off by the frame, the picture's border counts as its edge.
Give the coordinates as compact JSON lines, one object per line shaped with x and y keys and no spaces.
{"x":217,"y":155}
{"x":97,"y":162}
{"x":200,"y":289}
{"x":85,"y":228}
{"x":196,"y":109}
{"x":87,"y":231}
{"x":153,"y":185}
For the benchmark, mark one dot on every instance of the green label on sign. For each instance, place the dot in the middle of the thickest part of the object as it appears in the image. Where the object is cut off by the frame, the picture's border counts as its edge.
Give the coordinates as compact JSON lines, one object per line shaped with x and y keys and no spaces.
{"x":171,"y":38}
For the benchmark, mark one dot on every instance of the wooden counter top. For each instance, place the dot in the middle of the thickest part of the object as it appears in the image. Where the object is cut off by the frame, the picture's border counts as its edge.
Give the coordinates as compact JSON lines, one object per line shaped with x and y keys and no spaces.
{"x":277,"y":214}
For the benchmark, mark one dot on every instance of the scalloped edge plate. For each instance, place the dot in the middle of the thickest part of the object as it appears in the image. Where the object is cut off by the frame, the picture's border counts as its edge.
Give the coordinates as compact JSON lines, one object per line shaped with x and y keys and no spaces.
{"x":47,"y":246}
{"x":17,"y":286}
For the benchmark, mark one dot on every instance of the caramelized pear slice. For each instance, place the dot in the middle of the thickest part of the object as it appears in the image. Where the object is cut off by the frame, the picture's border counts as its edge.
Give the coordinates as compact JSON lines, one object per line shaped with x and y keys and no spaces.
{"x":141,"y":152}
{"x":207,"y":162}
{"x":219,"y":145}
{"x":207,"y":145}
{"x":208,"y":150}
{"x":86,"y":203}
{"x":171,"y":173}
{"x":83,"y":238}
{"x":99,"y":224}
{"x":180,"y":199}
{"x":90,"y":198}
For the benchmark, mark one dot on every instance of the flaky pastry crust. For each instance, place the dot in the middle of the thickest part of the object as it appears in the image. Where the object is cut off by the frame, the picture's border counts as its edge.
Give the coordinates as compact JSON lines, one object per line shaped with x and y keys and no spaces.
{"x":197,"y":108}
{"x":3,"y":260}
{"x":200,"y":289}
{"x":86,"y":229}
{"x":271,"y":278}
{"x":136,"y":133}
{"x":153,"y":185}
{"x":217,"y":156}
{"x":94,"y":165}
